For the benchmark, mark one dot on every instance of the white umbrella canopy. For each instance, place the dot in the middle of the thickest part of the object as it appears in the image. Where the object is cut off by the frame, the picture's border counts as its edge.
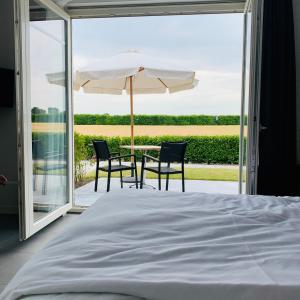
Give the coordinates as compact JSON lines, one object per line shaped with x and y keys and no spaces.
{"x":151,"y":75}
{"x":135,"y":73}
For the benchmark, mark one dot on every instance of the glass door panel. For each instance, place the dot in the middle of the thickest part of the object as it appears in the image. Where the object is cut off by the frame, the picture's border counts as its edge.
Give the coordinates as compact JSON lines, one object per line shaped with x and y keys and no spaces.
{"x":48,"y":109}
{"x":45,"y":91}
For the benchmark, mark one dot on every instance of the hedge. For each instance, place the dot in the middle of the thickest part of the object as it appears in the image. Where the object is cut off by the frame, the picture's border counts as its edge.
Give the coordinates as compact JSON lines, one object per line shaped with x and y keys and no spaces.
{"x":105,"y":119}
{"x":87,"y":119}
{"x":49,"y":118}
{"x":49,"y":142}
{"x":201,"y":149}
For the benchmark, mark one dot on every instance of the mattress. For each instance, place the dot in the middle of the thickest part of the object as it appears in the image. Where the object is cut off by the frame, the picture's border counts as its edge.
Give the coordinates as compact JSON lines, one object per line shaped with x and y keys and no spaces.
{"x":163,"y":245}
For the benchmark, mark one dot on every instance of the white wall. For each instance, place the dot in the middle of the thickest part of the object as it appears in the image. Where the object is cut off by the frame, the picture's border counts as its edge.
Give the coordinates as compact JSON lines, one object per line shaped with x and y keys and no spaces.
{"x":8,"y":132}
{"x":296,"y":4}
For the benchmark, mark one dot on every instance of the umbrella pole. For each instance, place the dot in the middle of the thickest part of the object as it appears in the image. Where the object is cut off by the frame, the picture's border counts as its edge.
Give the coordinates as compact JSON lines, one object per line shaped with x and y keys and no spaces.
{"x":131,"y":123}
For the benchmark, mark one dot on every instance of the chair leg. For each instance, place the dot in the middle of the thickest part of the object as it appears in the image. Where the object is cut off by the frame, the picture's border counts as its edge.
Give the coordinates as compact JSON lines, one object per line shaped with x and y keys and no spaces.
{"x":159,"y":181}
{"x":96,"y":180}
{"x":136,"y":178}
{"x":183,"y":184}
{"x":34,"y":182}
{"x":44,"y":184}
{"x":121,"y":179}
{"x":167,"y":182}
{"x":142,"y":176}
{"x":108,"y":181}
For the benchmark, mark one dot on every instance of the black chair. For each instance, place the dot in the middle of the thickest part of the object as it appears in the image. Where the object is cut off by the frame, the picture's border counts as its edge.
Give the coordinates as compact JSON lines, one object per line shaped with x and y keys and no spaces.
{"x":50,"y":161}
{"x":103,"y":154}
{"x":170,"y":152}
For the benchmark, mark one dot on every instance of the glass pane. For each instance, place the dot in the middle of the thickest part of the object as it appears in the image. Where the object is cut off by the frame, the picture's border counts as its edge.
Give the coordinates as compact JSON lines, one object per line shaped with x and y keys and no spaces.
{"x":247,"y":41}
{"x":48,"y":109}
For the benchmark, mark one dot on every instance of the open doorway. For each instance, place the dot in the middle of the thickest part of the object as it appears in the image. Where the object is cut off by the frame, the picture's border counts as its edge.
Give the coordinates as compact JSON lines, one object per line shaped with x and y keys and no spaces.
{"x":208,"y":117}
{"x":181,"y":32}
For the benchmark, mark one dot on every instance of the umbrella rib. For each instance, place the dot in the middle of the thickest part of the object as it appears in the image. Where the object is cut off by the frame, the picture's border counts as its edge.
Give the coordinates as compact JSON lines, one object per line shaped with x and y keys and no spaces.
{"x":125,"y":83}
{"x":85,"y":83}
{"x":162,"y":83}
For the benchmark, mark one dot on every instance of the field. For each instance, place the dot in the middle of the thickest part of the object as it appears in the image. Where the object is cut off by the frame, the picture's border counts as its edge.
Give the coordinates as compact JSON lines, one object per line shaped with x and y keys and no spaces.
{"x":142,"y":130}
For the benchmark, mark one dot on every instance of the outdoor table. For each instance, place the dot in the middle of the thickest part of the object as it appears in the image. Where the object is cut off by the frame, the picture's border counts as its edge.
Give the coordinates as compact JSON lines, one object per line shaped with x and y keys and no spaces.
{"x":144,"y":149}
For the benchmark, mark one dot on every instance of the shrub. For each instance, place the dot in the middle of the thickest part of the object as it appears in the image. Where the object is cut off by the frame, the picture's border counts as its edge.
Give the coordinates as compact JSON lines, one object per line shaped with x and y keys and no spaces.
{"x":201,"y":149}
{"x":55,"y":142}
{"x":80,"y":154}
{"x":49,"y":142}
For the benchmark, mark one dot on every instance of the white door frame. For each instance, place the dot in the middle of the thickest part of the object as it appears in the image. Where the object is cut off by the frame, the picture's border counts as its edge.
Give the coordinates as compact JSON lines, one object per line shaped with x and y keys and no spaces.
{"x":161,"y":8}
{"x":243,"y":97}
{"x":27,"y":225}
{"x":254,"y":97}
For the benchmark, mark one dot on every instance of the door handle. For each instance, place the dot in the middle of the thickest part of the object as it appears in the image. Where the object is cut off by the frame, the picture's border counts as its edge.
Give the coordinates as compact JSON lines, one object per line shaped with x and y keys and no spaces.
{"x":261,"y":127}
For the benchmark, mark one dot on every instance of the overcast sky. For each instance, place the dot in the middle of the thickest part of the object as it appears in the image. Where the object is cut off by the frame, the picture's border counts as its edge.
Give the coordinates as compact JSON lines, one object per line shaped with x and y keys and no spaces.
{"x":209,"y":44}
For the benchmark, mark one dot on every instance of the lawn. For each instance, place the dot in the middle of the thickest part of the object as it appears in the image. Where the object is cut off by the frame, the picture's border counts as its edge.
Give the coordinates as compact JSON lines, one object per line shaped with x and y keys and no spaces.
{"x":216,"y":174}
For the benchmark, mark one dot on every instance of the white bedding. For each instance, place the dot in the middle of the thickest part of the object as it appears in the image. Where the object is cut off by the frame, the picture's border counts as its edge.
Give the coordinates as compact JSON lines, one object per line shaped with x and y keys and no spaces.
{"x":160,"y":246}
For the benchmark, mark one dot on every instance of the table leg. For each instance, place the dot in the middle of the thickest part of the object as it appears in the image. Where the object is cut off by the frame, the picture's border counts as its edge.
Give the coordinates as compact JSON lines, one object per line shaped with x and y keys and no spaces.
{"x":145,"y":185}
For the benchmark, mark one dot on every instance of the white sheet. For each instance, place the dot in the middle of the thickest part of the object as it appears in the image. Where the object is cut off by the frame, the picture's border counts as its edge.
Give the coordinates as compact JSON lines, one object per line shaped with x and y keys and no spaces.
{"x":174,"y":246}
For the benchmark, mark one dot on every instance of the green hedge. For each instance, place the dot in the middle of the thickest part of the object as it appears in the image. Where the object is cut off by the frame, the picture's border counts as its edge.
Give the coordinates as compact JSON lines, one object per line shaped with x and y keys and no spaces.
{"x":155,"y":120}
{"x":49,"y":142}
{"x":201,"y":149}
{"x":49,"y":118}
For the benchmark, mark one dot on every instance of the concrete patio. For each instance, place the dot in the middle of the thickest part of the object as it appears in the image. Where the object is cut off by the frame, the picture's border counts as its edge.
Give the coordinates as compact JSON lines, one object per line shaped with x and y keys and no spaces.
{"x":85,"y":195}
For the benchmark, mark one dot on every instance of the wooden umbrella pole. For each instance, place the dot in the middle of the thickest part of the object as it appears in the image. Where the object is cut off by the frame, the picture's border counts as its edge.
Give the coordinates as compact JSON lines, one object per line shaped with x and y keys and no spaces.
{"x":131,"y":120}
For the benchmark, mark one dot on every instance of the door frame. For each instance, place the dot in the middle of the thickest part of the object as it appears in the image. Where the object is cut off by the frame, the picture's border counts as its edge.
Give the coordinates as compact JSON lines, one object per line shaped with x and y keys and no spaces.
{"x":254,"y":97}
{"x":251,"y":148}
{"x":24,"y":127}
{"x":243,"y":98}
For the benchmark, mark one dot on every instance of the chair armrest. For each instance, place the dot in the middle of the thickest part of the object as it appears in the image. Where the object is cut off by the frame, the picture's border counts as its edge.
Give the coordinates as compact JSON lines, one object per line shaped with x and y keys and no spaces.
{"x":122,"y":156}
{"x":51,"y":152}
{"x":150,"y":157}
{"x":54,"y":156}
{"x":114,"y":153}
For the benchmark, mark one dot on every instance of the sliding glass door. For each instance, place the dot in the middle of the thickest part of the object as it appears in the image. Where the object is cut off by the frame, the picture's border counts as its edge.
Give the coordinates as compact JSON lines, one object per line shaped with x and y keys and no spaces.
{"x":46,"y":107}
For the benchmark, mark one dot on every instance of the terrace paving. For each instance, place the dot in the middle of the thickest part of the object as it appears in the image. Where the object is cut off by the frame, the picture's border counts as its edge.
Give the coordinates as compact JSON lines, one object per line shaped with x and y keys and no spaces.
{"x":85,"y":195}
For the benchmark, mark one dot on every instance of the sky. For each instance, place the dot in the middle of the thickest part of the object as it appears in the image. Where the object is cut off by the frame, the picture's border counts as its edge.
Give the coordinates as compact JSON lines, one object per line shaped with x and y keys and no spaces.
{"x":211,"y":45}
{"x":47,"y":52}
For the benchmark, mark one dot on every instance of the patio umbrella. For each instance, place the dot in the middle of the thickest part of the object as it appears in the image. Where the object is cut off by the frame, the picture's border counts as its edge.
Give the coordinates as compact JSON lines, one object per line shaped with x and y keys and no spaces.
{"x":135,"y":73}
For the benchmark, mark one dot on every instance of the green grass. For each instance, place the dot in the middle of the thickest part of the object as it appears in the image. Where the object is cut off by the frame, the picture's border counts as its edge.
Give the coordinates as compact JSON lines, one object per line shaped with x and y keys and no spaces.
{"x":214,"y":174}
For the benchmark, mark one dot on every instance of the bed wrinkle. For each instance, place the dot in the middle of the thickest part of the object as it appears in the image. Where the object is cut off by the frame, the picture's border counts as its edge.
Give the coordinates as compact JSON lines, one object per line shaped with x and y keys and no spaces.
{"x":245,"y":244}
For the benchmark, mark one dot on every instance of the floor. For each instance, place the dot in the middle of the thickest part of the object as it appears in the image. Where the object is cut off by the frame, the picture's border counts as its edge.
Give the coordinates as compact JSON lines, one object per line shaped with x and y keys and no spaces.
{"x":14,"y":254}
{"x":85,"y":195}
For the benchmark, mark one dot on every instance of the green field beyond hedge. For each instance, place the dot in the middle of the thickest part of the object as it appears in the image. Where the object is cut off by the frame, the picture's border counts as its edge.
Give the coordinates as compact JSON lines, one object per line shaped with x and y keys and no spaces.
{"x":105,"y":119}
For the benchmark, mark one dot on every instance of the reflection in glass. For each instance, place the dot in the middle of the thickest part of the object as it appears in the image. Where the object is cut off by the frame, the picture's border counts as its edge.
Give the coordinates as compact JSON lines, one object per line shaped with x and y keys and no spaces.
{"x":48,"y":109}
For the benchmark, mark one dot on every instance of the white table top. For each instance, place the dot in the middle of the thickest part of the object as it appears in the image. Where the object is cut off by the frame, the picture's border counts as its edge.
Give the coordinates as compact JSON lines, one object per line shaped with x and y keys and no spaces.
{"x":142,"y":147}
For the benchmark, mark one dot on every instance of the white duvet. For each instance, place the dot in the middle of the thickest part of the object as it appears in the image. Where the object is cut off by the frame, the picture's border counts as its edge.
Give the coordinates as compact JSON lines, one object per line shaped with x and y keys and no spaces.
{"x":160,"y":246}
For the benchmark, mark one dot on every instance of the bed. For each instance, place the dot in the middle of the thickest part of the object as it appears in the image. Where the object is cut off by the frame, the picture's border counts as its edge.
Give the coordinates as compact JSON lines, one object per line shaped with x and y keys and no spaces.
{"x":164,"y":245}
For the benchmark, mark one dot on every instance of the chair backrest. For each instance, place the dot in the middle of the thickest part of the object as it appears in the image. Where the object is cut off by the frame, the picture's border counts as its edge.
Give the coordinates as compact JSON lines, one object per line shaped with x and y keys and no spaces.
{"x":101,"y":150}
{"x":172,"y":151}
{"x":37,"y":149}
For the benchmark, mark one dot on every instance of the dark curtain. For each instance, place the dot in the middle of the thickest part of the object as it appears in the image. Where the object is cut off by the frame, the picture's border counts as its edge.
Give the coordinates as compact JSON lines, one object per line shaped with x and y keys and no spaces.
{"x":278,"y":172}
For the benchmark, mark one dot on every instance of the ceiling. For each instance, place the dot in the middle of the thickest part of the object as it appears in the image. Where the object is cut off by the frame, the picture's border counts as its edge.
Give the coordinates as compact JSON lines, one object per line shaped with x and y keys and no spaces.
{"x":113,"y":8}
